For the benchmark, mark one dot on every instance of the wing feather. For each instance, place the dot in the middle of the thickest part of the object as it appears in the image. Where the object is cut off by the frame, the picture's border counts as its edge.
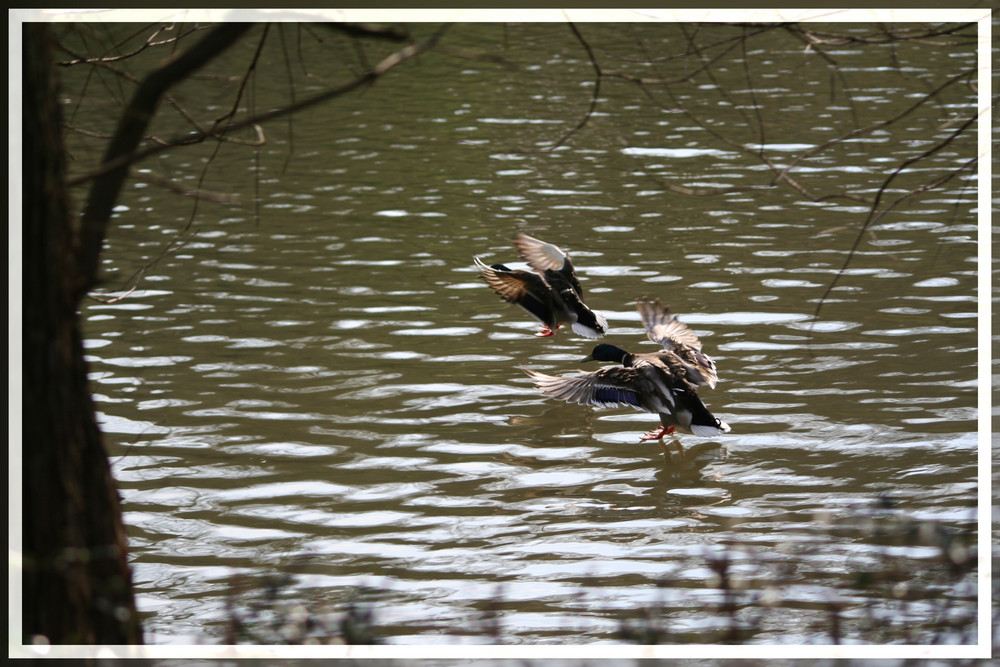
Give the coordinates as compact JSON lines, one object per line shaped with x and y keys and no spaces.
{"x":541,"y":256}
{"x":664,"y":328}
{"x":607,"y":387}
{"x":544,"y":257}
{"x":524,"y":288}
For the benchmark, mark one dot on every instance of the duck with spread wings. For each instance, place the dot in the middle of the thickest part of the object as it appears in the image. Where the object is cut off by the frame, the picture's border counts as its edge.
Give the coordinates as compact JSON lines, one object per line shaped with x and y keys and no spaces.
{"x":550,"y":292}
{"x":664,"y":382}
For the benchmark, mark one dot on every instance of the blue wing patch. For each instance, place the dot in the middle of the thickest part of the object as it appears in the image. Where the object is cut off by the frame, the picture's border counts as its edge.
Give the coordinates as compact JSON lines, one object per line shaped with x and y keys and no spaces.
{"x":616,"y":396}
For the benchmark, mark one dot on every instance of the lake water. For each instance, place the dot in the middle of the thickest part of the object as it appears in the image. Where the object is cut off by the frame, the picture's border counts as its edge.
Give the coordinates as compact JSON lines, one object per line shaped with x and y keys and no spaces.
{"x":316,"y":385}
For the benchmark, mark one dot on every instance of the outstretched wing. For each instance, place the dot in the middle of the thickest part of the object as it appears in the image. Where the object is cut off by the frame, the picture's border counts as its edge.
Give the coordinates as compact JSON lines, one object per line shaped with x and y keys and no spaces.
{"x":524,"y":288}
{"x":607,"y":387}
{"x":542,"y":257}
{"x":664,"y":328}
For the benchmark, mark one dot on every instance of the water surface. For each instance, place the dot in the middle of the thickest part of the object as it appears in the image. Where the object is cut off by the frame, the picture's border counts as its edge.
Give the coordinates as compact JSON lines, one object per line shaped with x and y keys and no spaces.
{"x":328,"y":390}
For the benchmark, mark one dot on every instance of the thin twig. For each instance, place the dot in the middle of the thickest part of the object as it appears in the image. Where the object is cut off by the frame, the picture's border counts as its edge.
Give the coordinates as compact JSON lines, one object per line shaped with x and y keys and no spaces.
{"x":593,"y":97}
{"x":381,"y":69}
{"x":874,"y":215}
{"x":132,"y":127}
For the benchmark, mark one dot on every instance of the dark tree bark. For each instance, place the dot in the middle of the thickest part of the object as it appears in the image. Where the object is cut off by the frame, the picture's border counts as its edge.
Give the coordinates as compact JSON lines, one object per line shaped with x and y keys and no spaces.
{"x":77,"y":584}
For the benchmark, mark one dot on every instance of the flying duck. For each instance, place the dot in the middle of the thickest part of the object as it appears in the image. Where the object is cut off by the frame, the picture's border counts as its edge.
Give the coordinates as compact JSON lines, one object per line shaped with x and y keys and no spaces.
{"x":550,"y":292}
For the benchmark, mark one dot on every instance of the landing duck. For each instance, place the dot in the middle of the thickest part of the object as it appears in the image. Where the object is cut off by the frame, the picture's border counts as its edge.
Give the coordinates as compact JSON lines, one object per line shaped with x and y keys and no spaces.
{"x":664,"y":383}
{"x":550,"y":292}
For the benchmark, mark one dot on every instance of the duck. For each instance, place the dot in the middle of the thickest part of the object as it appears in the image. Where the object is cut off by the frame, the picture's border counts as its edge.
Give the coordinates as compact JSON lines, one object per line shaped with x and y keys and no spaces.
{"x":664,"y":383}
{"x":550,"y":292}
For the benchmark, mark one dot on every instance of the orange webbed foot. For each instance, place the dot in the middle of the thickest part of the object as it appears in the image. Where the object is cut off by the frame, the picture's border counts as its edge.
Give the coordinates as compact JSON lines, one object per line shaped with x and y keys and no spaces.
{"x":547,"y":331}
{"x":658,"y":434}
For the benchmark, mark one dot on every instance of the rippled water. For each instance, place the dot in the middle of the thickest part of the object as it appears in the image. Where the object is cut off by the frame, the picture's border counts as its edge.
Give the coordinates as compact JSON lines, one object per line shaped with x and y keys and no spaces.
{"x":333,"y":393}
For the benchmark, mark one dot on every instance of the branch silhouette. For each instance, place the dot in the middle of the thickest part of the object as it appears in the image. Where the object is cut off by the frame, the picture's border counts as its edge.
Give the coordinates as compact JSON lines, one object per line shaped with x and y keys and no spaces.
{"x":123,"y":149}
{"x":129,"y":133}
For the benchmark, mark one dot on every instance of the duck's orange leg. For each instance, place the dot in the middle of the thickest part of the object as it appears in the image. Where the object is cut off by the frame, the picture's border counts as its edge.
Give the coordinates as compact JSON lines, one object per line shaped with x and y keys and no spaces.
{"x":546,"y":331}
{"x":658,"y":434}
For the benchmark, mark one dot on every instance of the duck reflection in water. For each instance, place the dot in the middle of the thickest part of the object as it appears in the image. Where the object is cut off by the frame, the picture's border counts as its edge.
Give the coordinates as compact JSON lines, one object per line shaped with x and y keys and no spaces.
{"x":687,"y":464}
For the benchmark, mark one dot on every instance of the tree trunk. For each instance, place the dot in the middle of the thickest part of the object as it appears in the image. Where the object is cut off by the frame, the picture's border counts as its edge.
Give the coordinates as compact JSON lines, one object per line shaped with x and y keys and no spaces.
{"x":77,"y":584}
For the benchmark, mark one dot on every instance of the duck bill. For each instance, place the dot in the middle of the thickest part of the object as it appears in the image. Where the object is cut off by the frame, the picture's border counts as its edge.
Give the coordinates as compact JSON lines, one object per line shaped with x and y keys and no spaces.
{"x":589,"y":357}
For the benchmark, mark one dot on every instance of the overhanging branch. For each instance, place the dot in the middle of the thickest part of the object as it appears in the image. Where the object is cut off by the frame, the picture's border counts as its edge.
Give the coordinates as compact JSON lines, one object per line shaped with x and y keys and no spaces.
{"x":129,"y":133}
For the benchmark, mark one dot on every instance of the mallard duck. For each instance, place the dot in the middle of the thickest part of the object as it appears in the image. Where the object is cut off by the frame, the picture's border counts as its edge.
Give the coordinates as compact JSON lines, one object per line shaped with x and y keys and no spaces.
{"x":664,"y":383}
{"x":550,"y":292}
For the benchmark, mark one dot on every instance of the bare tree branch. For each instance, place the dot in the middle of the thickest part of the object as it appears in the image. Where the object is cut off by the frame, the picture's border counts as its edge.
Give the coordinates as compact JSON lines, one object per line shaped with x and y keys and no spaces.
{"x":291,"y":96}
{"x":104,"y":192}
{"x":598,"y":76}
{"x":123,"y":149}
{"x":150,"y":42}
{"x":874,"y":215}
{"x":861,"y":131}
{"x":251,"y":69}
{"x":381,"y":69}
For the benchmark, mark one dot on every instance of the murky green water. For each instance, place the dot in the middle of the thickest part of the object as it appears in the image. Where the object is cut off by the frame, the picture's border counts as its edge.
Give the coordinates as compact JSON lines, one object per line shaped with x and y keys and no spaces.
{"x":330,"y":391}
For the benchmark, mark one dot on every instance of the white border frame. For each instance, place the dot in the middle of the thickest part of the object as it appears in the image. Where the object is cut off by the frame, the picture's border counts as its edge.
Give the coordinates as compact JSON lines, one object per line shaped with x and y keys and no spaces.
{"x":465,"y":652}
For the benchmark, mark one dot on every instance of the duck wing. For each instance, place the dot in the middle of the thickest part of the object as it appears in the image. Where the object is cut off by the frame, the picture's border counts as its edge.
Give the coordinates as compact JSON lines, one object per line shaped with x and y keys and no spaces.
{"x":639,"y":388}
{"x":664,"y":328}
{"x":589,"y":323}
{"x":523,"y":288}
{"x":543,"y":257}
{"x":607,"y":387}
